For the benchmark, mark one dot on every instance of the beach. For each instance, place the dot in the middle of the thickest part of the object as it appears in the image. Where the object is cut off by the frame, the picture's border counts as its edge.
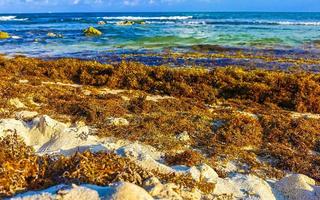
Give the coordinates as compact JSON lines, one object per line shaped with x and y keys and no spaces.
{"x":160,"y":106}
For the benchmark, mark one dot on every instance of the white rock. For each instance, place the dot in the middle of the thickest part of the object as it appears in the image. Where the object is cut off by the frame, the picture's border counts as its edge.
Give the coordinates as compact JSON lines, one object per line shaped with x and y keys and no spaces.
{"x":118,"y":121}
{"x":194,"y":173}
{"x":254,"y":187}
{"x":244,"y":187}
{"x":129,"y":191}
{"x":226,"y":186}
{"x":58,"y":193}
{"x":207,"y":174}
{"x":78,"y":193}
{"x":26,"y":115}
{"x":10,"y":126}
{"x":16,"y":103}
{"x":298,"y":186}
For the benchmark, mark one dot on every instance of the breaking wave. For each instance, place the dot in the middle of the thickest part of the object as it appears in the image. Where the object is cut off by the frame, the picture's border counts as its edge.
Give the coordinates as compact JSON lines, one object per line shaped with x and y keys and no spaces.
{"x":148,"y":18}
{"x":11,"y":18}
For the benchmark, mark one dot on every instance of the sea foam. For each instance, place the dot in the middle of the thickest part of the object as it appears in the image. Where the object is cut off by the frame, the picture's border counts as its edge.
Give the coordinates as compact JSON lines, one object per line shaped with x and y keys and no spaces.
{"x":148,"y":18}
{"x":11,"y":18}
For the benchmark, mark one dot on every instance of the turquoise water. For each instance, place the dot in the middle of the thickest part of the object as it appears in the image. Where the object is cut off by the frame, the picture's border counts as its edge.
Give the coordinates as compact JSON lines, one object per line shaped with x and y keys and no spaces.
{"x":162,"y":30}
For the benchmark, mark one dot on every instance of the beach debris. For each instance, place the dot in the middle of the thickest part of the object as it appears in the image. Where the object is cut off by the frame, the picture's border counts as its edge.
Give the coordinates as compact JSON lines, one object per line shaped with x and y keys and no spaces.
{"x":4,"y":35}
{"x":15,"y":102}
{"x":117,"y":121}
{"x":125,"y":23}
{"x":26,"y":115}
{"x":54,"y":35}
{"x":91,"y":31}
{"x":102,"y":23}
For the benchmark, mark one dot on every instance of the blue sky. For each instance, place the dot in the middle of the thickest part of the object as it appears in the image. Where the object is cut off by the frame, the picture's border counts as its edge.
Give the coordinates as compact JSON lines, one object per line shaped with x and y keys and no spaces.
{"x":17,"y":6}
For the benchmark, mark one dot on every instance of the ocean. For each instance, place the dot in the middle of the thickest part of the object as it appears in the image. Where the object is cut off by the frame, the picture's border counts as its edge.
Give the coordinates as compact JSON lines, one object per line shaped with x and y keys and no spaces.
{"x":161,"y":31}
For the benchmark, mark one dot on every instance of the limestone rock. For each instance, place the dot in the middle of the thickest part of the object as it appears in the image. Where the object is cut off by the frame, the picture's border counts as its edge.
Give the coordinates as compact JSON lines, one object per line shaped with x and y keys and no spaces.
{"x":125,"y":23}
{"x":4,"y":35}
{"x":207,"y":174}
{"x":244,"y":187}
{"x":141,"y":22}
{"x":26,"y":115}
{"x":102,"y":23}
{"x":129,"y":191}
{"x":91,"y":31}
{"x":79,"y":193}
{"x":54,"y":35}
{"x":298,"y":186}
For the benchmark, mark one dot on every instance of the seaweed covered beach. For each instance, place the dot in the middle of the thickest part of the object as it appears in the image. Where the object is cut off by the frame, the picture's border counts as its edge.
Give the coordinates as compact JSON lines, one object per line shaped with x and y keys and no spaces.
{"x":168,"y":130}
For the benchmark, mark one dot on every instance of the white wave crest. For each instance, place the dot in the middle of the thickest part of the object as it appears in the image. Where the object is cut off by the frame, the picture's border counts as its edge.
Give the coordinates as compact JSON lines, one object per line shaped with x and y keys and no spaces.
{"x":11,"y":18}
{"x":148,"y":18}
{"x":299,"y":23}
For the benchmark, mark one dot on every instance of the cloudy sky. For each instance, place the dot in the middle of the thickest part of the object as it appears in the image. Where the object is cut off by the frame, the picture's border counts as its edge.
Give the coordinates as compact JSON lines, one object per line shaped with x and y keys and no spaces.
{"x":17,"y":6}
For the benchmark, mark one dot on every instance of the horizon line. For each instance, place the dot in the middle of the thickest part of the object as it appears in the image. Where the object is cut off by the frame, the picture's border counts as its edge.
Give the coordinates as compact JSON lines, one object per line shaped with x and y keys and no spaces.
{"x":62,"y":12}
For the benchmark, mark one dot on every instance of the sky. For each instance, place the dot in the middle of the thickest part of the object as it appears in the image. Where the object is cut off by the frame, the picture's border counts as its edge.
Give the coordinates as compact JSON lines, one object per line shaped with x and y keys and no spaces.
{"x":27,"y":6}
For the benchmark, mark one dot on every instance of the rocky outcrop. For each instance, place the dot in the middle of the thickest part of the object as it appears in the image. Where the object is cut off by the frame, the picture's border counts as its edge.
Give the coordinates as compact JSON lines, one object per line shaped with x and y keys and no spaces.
{"x":54,"y":35}
{"x":297,"y":187}
{"x":4,"y":35}
{"x":129,"y":191}
{"x":26,"y":115}
{"x":102,"y":23}
{"x":125,"y":23}
{"x":91,"y":31}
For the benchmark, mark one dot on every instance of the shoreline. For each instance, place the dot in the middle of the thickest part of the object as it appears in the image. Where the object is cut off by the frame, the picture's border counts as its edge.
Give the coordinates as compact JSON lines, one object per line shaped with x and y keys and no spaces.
{"x":229,"y":127}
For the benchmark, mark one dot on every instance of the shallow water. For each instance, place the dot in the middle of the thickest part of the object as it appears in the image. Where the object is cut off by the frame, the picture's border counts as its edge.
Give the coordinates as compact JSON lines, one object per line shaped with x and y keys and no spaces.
{"x":162,"y":30}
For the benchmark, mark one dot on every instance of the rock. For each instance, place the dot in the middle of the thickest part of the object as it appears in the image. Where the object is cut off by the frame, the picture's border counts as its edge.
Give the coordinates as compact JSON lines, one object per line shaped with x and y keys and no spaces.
{"x":141,"y":22}
{"x":151,"y":182}
{"x":4,"y":35}
{"x":159,"y":191}
{"x":207,"y":174}
{"x":61,"y":192}
{"x":117,"y":121}
{"x":54,"y":35}
{"x":10,"y":126}
{"x":183,"y":137}
{"x":129,"y":191}
{"x":79,"y":193}
{"x":298,"y":186}
{"x":16,"y":103}
{"x":26,"y":115}
{"x":194,"y":173}
{"x":91,"y":31}
{"x":244,"y":187}
{"x":125,"y":23}
{"x":102,"y":23}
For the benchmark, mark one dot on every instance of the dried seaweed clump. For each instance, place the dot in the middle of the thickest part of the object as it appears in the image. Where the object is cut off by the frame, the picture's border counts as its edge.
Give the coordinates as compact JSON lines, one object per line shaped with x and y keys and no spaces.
{"x":21,"y":170}
{"x":188,"y":158}
{"x":289,"y":159}
{"x":18,"y":167}
{"x":238,"y":130}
